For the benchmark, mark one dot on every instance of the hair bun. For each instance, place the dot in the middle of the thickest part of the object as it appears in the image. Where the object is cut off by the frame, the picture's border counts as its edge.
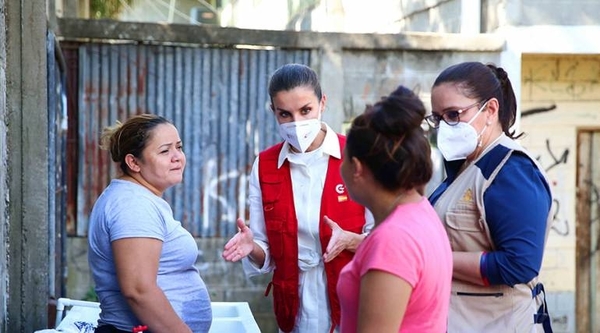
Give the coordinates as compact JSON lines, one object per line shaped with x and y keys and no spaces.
{"x":500,"y":73}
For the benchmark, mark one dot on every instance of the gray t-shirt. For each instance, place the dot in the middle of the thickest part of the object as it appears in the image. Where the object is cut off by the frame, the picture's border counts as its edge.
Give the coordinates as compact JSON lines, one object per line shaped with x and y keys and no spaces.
{"x":126,"y":210}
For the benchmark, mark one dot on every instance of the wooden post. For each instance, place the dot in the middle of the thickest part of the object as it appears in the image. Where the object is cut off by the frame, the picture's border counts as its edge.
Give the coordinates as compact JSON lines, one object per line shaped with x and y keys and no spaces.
{"x":582,"y":234}
{"x":594,"y":212}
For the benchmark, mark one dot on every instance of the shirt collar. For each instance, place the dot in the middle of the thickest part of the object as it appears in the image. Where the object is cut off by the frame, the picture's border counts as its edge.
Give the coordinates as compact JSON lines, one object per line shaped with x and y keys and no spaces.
{"x":330,"y":146}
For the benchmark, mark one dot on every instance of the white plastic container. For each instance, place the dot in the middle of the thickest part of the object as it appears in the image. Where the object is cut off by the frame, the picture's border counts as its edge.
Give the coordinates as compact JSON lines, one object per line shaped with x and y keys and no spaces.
{"x":228,"y":317}
{"x":233,"y":317}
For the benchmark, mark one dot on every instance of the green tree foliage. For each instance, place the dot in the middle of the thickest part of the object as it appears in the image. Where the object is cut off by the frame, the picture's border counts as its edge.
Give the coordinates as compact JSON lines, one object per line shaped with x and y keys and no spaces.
{"x":90,"y":295}
{"x":107,"y":8}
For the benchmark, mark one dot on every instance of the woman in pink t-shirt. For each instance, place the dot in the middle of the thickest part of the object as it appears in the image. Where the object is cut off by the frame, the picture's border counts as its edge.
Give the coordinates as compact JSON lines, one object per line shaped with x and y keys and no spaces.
{"x":399,"y":279}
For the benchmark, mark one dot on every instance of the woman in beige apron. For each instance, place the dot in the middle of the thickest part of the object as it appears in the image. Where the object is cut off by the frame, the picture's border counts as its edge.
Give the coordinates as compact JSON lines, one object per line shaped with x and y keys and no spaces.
{"x":495,"y":204}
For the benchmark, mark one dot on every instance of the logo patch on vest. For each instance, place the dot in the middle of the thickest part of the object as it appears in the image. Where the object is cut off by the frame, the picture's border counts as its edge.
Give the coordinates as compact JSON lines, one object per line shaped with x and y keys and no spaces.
{"x":341,"y":189}
{"x":467,"y":196}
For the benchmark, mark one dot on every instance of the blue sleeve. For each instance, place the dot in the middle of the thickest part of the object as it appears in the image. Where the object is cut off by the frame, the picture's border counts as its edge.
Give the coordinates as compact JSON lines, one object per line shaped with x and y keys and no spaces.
{"x":517,"y":205}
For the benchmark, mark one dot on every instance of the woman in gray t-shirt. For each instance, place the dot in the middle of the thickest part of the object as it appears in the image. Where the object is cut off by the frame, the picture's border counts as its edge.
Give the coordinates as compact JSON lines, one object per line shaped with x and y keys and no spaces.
{"x":141,"y":258}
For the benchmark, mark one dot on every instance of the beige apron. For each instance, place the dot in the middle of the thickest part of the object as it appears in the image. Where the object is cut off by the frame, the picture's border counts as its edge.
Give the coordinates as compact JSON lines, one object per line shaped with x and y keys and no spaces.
{"x":475,"y":308}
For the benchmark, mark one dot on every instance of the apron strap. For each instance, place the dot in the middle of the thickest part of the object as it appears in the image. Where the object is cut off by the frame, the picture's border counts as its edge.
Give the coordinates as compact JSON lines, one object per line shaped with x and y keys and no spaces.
{"x":542,"y":316}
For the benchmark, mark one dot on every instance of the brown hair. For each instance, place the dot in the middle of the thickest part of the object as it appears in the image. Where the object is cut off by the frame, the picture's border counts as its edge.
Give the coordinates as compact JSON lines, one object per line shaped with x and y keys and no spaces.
{"x":130,"y":137}
{"x":290,"y":76}
{"x":389,"y":140}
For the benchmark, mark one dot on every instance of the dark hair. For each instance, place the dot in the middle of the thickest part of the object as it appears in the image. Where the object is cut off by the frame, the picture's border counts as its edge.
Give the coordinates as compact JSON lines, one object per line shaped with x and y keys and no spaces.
{"x":130,"y":137}
{"x":479,"y":81}
{"x":389,"y":140}
{"x":290,"y":76}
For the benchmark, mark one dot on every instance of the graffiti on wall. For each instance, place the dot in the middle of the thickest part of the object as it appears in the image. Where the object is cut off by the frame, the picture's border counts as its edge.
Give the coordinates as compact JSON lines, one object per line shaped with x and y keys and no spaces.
{"x":556,"y":159}
{"x":560,"y":78}
{"x":215,"y":200}
{"x":550,"y":160}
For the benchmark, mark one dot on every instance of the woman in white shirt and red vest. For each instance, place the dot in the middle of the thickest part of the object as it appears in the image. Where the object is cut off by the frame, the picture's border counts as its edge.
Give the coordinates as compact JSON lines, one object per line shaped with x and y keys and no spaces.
{"x":303,"y":225}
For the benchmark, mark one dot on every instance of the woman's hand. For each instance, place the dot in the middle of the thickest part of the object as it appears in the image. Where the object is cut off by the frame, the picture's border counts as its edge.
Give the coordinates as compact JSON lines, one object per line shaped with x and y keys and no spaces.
{"x":340,"y":240}
{"x":240,"y":245}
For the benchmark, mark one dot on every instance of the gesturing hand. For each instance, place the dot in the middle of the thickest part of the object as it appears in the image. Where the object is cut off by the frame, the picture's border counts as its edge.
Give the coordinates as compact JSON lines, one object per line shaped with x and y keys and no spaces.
{"x":240,"y":245}
{"x":340,"y":240}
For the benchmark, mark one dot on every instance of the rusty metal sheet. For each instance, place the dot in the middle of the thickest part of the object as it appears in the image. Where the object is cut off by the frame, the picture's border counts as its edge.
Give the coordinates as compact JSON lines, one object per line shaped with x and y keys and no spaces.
{"x":216,"y":97}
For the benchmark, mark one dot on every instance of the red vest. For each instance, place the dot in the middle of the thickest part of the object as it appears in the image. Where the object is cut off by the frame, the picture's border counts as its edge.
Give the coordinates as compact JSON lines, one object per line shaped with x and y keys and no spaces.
{"x":282,"y":231}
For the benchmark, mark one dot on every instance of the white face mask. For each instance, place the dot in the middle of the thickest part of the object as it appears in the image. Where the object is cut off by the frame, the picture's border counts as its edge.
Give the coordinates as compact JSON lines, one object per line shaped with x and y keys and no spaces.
{"x":458,"y":141}
{"x":300,"y":134}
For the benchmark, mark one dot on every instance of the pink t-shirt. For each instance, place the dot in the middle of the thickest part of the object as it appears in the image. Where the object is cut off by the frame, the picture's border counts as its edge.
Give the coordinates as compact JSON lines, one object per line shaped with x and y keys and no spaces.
{"x":411,"y":244}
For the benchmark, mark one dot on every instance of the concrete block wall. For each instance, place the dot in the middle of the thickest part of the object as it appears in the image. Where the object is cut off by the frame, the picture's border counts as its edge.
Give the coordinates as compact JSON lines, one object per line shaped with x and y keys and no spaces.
{"x":370,"y":75}
{"x":226,"y":282}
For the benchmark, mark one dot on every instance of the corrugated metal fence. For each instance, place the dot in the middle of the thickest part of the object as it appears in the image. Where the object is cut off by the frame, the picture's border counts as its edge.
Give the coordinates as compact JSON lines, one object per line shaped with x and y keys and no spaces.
{"x":216,"y":97}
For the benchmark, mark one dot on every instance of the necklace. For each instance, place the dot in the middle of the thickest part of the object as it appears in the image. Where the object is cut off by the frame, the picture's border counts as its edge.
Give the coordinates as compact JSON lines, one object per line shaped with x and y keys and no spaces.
{"x":393,"y":206}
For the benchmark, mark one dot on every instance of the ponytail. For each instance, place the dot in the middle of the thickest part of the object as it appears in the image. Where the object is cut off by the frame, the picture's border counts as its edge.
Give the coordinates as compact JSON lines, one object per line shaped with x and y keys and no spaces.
{"x":508,"y":103}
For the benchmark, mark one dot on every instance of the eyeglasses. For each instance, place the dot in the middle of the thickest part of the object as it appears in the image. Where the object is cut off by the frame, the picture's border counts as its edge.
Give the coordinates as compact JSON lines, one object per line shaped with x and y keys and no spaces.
{"x":451,"y":117}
